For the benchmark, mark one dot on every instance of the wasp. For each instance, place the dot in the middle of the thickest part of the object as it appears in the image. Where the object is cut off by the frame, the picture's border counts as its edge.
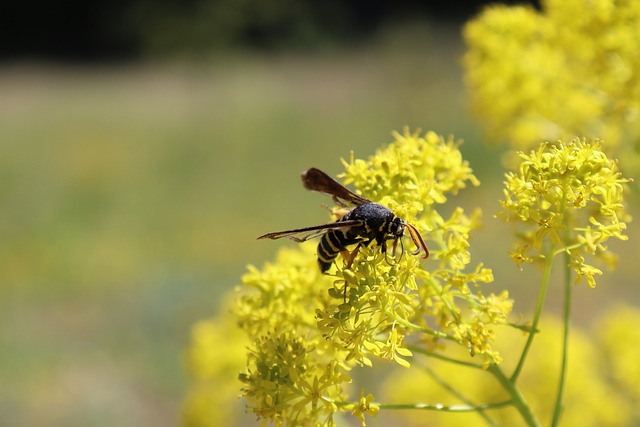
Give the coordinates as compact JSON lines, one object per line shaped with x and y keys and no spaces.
{"x":365,"y":223}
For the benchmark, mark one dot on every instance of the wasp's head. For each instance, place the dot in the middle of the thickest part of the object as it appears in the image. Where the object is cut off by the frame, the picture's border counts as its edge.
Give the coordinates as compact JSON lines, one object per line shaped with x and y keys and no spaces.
{"x":396,"y":231}
{"x":396,"y":228}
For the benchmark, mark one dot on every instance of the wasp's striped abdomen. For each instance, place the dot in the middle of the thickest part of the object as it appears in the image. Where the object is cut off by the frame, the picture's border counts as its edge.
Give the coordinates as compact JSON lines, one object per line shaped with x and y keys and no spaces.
{"x":331,"y":244}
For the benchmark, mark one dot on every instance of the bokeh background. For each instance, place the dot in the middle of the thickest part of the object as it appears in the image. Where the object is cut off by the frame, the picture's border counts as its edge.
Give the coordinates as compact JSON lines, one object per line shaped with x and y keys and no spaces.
{"x":143,"y":147}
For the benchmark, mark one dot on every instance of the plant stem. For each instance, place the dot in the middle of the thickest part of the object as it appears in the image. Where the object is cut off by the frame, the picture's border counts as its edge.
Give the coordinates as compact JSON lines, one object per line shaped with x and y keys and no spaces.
{"x":410,"y":325}
{"x":524,"y":328}
{"x":456,"y":393}
{"x":419,"y":350}
{"x":558,"y":407}
{"x":517,"y":399}
{"x":544,"y":286}
{"x":446,"y":408}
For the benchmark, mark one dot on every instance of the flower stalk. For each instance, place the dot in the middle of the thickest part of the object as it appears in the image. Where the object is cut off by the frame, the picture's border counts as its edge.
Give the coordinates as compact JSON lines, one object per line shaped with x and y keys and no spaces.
{"x":517,"y":398}
{"x":537,"y":314}
{"x":566,"y":320}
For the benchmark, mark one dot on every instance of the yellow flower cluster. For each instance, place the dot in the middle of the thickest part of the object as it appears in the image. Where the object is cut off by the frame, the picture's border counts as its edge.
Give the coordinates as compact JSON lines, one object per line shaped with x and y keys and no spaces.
{"x":293,"y":375}
{"x":308,"y":330}
{"x":570,"y":197}
{"x":571,"y":69}
{"x":302,"y":333}
{"x":411,"y":177}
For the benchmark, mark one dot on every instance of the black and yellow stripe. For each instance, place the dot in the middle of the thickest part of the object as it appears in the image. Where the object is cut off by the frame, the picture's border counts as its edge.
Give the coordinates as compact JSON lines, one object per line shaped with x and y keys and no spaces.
{"x":331,"y":244}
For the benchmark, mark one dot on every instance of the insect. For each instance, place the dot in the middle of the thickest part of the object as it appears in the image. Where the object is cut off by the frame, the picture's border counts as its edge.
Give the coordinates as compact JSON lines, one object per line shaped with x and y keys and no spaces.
{"x":367,"y":222}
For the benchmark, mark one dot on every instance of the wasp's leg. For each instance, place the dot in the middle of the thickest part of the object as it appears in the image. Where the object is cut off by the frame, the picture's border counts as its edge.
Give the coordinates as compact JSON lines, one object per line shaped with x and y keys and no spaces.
{"x":349,"y":257}
{"x":393,"y":252}
{"x":352,"y":256}
{"x":339,"y":202}
{"x":337,"y":213}
{"x":394,"y":247}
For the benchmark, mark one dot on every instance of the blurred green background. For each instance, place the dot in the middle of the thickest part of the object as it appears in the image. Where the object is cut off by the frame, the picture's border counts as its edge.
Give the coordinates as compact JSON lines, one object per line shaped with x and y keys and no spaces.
{"x":132,"y":190}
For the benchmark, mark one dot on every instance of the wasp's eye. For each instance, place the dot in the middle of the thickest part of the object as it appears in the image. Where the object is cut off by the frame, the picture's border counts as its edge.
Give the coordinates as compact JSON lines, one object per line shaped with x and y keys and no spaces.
{"x":396,"y":227}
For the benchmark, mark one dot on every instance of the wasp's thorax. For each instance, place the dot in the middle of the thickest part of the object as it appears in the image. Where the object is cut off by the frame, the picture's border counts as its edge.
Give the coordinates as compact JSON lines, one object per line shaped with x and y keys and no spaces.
{"x":379,"y":223}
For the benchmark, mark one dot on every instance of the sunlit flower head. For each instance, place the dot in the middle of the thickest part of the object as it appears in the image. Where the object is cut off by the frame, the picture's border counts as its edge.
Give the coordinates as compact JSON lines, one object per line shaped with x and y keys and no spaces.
{"x":570,"y":198}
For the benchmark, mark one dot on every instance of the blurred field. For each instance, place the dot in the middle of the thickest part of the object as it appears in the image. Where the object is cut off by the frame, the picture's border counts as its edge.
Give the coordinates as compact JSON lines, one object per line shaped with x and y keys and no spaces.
{"x":130,"y":198}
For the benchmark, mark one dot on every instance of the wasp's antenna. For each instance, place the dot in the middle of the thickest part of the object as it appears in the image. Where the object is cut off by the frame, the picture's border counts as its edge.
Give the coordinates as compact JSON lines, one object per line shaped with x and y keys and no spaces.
{"x":386,"y":254}
{"x":417,"y":240}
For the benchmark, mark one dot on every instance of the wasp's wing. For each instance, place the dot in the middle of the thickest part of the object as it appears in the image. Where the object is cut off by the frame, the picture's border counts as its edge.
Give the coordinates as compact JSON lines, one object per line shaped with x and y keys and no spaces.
{"x":306,"y":233}
{"x":316,"y":180}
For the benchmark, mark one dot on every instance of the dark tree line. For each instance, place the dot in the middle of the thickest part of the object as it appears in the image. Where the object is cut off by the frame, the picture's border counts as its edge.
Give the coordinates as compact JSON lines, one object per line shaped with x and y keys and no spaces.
{"x":85,"y":30}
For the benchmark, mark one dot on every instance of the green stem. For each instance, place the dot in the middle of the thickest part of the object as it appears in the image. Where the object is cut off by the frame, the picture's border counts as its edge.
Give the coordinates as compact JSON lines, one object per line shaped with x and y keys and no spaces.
{"x":558,"y":407}
{"x":457,"y":394}
{"x":517,"y":399}
{"x":416,"y":349}
{"x":406,"y":323}
{"x":524,"y":328}
{"x":446,"y":408}
{"x":536,"y":317}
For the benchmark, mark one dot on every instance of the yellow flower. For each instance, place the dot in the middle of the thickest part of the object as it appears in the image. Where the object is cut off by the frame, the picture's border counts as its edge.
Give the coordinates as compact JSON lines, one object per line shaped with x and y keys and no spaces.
{"x":364,"y":406}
